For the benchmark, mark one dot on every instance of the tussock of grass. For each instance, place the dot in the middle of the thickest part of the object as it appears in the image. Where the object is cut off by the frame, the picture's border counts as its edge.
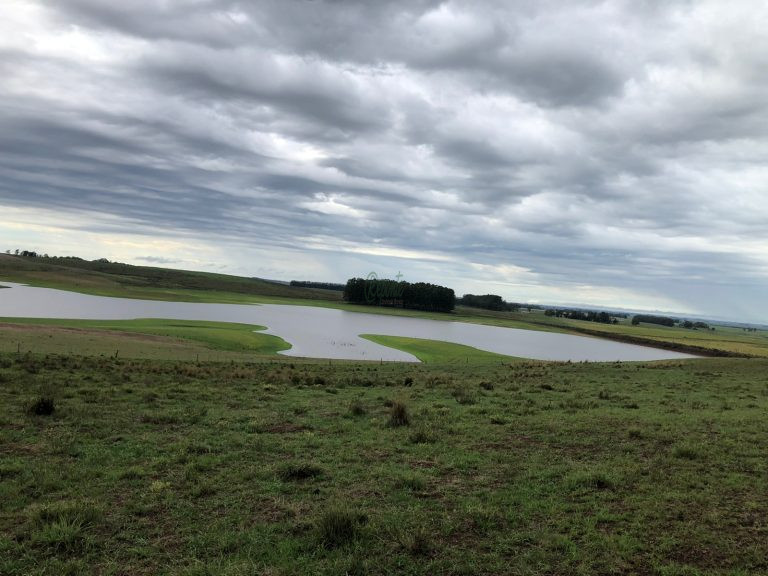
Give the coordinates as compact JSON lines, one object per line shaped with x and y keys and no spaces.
{"x":464,"y":395}
{"x":398,"y":414}
{"x":301,"y":471}
{"x":686,"y":452}
{"x":422,"y":435}
{"x":43,"y":406}
{"x":411,"y":481}
{"x":356,"y":408}
{"x":337,"y":527}
{"x":591,"y":481}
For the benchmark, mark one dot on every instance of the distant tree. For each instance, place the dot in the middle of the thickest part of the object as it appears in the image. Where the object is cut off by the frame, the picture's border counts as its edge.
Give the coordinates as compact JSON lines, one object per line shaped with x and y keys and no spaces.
{"x":487,"y":302}
{"x":649,"y":319}
{"x":321,"y":285}
{"x":584,"y":315}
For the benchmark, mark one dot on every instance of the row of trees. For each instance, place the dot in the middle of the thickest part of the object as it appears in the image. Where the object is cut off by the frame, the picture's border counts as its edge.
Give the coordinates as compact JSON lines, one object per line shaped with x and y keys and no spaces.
{"x":649,"y":319}
{"x":26,"y":253}
{"x":417,"y":296}
{"x":588,"y":315}
{"x":488,"y":302}
{"x":322,"y":285}
{"x":695,"y":325}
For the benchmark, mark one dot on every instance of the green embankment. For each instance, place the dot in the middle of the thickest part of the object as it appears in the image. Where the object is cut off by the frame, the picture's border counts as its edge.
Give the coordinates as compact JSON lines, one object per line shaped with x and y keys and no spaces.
{"x":145,"y":338}
{"x":434,"y":351}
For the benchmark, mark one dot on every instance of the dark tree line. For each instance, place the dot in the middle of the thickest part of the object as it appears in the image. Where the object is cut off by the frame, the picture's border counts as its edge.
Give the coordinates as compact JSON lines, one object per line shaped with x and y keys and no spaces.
{"x":587,"y":315}
{"x":487,"y":302}
{"x":417,"y":296}
{"x":649,"y":319}
{"x":321,"y":285}
{"x":25,"y":253}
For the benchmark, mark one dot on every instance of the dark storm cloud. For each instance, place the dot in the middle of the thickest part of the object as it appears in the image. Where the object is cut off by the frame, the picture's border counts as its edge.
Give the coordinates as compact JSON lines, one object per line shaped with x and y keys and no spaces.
{"x":616,"y":144}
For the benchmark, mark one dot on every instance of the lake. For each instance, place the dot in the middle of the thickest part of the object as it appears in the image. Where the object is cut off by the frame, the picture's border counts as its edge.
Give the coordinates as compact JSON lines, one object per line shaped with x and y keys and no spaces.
{"x":317,"y":332}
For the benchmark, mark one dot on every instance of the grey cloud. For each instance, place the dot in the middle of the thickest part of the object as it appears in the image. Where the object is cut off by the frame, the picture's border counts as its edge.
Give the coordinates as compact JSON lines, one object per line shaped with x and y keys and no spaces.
{"x":598,"y":143}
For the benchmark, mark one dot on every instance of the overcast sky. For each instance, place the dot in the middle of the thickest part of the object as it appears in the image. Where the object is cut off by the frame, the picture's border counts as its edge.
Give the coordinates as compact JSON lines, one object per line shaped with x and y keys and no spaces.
{"x":605,"y":153}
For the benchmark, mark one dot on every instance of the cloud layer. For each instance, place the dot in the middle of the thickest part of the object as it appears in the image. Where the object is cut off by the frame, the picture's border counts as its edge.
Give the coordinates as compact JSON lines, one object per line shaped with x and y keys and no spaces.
{"x":610,"y":153}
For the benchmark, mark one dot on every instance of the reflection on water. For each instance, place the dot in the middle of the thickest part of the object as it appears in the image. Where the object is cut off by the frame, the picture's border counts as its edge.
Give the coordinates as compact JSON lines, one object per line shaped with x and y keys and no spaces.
{"x":323,"y":332}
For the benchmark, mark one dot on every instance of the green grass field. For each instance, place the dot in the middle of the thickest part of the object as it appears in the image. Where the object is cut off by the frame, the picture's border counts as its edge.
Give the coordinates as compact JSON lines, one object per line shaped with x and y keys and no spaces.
{"x":432,"y":351}
{"x":286,"y":467}
{"x":146,"y":338}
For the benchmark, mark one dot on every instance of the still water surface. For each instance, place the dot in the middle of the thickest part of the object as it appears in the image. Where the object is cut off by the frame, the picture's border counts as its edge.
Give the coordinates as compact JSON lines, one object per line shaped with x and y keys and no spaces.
{"x":316,"y":332}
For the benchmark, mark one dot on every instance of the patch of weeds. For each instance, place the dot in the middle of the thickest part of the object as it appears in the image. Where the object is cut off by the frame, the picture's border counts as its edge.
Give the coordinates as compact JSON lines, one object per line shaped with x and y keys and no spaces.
{"x":398,"y":414}
{"x":64,"y":526}
{"x":590,"y":481}
{"x":417,"y":542}
{"x":303,"y":471}
{"x":635,"y":434}
{"x":133,"y":473}
{"x":464,"y":396}
{"x":356,"y":408}
{"x":42,"y":406}
{"x":198,"y":448}
{"x":338,"y":526}
{"x":160,"y":419}
{"x":203,"y":490}
{"x":422,"y":435}
{"x":485,"y":385}
{"x":546,"y":386}
{"x":10,"y":471}
{"x":408,"y":381}
{"x":686,"y":453}
{"x":411,"y":481}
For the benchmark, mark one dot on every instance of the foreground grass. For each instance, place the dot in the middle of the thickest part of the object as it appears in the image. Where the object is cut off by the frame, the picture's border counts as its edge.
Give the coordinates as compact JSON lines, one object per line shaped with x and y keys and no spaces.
{"x":277,"y":467}
{"x":145,"y":338}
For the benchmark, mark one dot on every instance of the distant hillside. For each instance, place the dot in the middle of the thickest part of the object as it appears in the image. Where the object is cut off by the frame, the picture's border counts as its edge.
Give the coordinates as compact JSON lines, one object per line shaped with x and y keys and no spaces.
{"x":114,"y":278}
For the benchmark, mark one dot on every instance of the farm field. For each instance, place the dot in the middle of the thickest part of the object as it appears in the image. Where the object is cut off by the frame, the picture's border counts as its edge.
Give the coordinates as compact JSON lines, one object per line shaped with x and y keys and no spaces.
{"x":462,"y":465}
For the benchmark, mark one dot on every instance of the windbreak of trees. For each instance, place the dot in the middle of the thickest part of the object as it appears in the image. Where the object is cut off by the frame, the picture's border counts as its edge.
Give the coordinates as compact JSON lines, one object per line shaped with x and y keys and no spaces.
{"x":648,"y":319}
{"x":695,"y":325}
{"x":25,"y":253}
{"x":487,"y":302}
{"x":587,"y":315}
{"x":417,"y":296}
{"x":321,"y":285}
